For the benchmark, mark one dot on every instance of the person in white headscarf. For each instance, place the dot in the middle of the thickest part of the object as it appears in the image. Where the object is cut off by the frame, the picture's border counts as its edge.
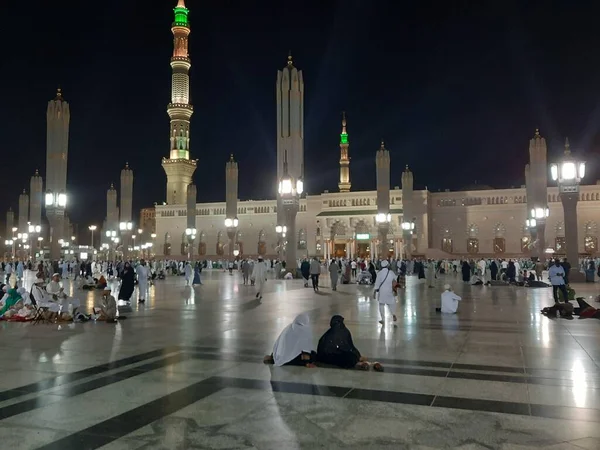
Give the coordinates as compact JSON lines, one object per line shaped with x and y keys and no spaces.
{"x":385,"y":283}
{"x":294,"y":346}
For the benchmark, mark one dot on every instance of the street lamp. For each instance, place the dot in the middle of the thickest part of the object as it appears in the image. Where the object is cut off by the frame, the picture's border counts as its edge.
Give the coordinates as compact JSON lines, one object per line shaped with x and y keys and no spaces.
{"x":92,"y":228}
{"x":568,"y":173}
{"x":383,"y":224}
{"x":126,"y":226}
{"x":408,"y":229}
{"x":11,"y":243}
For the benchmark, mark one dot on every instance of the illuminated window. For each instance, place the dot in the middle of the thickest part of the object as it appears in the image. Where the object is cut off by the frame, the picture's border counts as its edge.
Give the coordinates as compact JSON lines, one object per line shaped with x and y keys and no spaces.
{"x":525,"y":241}
{"x":560,"y":245}
{"x":473,"y":245}
{"x":590,"y":244}
{"x":499,"y":245}
{"x":447,"y":245}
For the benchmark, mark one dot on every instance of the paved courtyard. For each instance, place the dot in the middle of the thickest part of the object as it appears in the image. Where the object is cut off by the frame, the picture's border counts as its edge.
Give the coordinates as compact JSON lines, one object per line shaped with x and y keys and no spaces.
{"x":185,"y":371}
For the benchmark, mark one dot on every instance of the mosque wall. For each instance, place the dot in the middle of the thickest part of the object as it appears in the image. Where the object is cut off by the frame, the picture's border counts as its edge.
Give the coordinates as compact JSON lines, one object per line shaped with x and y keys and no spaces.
{"x":485,"y":222}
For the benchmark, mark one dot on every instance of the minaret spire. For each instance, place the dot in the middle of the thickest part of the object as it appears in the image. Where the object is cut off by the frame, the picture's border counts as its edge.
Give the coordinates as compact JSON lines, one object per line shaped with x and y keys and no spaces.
{"x":567,"y":147}
{"x":344,"y":184}
{"x":178,"y":167}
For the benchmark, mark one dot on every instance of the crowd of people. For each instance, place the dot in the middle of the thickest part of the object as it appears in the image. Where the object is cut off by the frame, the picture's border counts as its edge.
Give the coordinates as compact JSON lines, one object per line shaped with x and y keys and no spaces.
{"x":41,"y":280}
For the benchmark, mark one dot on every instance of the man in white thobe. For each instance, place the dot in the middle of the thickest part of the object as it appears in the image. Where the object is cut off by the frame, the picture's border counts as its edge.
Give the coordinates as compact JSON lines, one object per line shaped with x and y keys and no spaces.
{"x":259,"y":275}
{"x":57,"y":292}
{"x":449,"y":301}
{"x":142,"y":273}
{"x":385,"y":284}
{"x":481,"y":264}
{"x":188,"y":273}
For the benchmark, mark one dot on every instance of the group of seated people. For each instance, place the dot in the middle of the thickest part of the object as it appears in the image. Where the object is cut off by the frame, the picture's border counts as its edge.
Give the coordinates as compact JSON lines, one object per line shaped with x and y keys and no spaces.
{"x":91,"y":283}
{"x":54,"y":303}
{"x":294,"y":347}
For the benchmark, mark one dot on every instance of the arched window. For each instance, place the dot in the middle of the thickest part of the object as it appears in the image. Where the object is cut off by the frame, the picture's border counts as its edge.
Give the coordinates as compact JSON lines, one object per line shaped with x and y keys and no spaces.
{"x":302,"y":239}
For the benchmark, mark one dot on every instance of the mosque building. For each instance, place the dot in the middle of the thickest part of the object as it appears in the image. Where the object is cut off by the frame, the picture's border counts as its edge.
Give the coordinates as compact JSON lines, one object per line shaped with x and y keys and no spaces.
{"x":477,"y":221}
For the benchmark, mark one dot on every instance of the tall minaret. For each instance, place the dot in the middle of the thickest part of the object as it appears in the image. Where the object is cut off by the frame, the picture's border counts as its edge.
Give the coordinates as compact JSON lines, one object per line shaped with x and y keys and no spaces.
{"x":290,"y":148}
{"x":382,"y":164}
{"x":112,"y":213}
{"x":538,"y":179}
{"x":178,"y":167}
{"x":126,"y":224}
{"x":344,"y":183}
{"x":126,"y":193}
{"x":35,"y":199}
{"x":10,"y":223}
{"x":231,"y":198}
{"x":407,"y":209}
{"x":58,"y":118}
{"x":23,"y":212}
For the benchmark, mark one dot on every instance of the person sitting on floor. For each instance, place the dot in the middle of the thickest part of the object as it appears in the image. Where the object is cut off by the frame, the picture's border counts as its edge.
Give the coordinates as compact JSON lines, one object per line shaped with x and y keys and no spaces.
{"x":294,"y":346}
{"x":532,"y":282}
{"x":57,"y":292}
{"x":11,"y":299}
{"x":476,"y":280}
{"x":101,"y":283}
{"x":449,"y":301}
{"x":108,"y":309}
{"x":337,"y":349}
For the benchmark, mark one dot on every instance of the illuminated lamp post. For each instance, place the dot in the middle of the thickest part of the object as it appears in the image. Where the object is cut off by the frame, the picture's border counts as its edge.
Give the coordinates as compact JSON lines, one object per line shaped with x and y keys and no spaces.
{"x":568,"y":173}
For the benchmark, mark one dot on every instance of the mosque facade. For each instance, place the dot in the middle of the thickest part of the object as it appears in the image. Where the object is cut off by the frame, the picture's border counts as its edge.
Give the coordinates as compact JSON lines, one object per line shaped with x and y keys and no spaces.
{"x":473,"y":222}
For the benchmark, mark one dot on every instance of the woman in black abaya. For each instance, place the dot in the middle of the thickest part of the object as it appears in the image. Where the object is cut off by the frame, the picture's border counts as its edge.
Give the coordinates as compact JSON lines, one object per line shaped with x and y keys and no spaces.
{"x":337,"y":349}
{"x":127,"y":282}
{"x":466,"y":271}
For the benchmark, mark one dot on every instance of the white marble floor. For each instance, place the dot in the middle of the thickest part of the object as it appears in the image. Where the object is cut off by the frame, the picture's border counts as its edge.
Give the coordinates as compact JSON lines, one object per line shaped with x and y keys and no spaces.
{"x":185,"y":371}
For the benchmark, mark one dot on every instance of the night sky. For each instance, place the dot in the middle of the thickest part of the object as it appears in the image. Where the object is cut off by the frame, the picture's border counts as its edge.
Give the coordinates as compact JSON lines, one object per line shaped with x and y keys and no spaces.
{"x":456,"y":89}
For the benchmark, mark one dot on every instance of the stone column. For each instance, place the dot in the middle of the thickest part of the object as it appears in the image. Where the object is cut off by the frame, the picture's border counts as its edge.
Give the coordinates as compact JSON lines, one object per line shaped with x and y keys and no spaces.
{"x":538,"y":173}
{"x":10,"y":223}
{"x":126,"y":207}
{"x":231,"y":198}
{"x":58,"y":117}
{"x":35,"y":200}
{"x":530,"y":205}
{"x":191,"y":218}
{"x":23,"y":212}
{"x":112,"y":212}
{"x":407,"y":208}
{"x":569,"y":202}
{"x":382,"y":163}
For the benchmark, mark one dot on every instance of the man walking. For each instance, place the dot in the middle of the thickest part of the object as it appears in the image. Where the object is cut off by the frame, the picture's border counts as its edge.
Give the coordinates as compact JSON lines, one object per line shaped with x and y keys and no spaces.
{"x":315,"y":271}
{"x":259,"y":275}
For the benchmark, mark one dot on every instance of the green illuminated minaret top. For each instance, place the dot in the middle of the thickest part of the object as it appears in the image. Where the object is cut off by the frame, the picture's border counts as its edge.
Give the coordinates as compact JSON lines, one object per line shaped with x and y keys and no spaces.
{"x":344,"y":134}
{"x":181,"y":14}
